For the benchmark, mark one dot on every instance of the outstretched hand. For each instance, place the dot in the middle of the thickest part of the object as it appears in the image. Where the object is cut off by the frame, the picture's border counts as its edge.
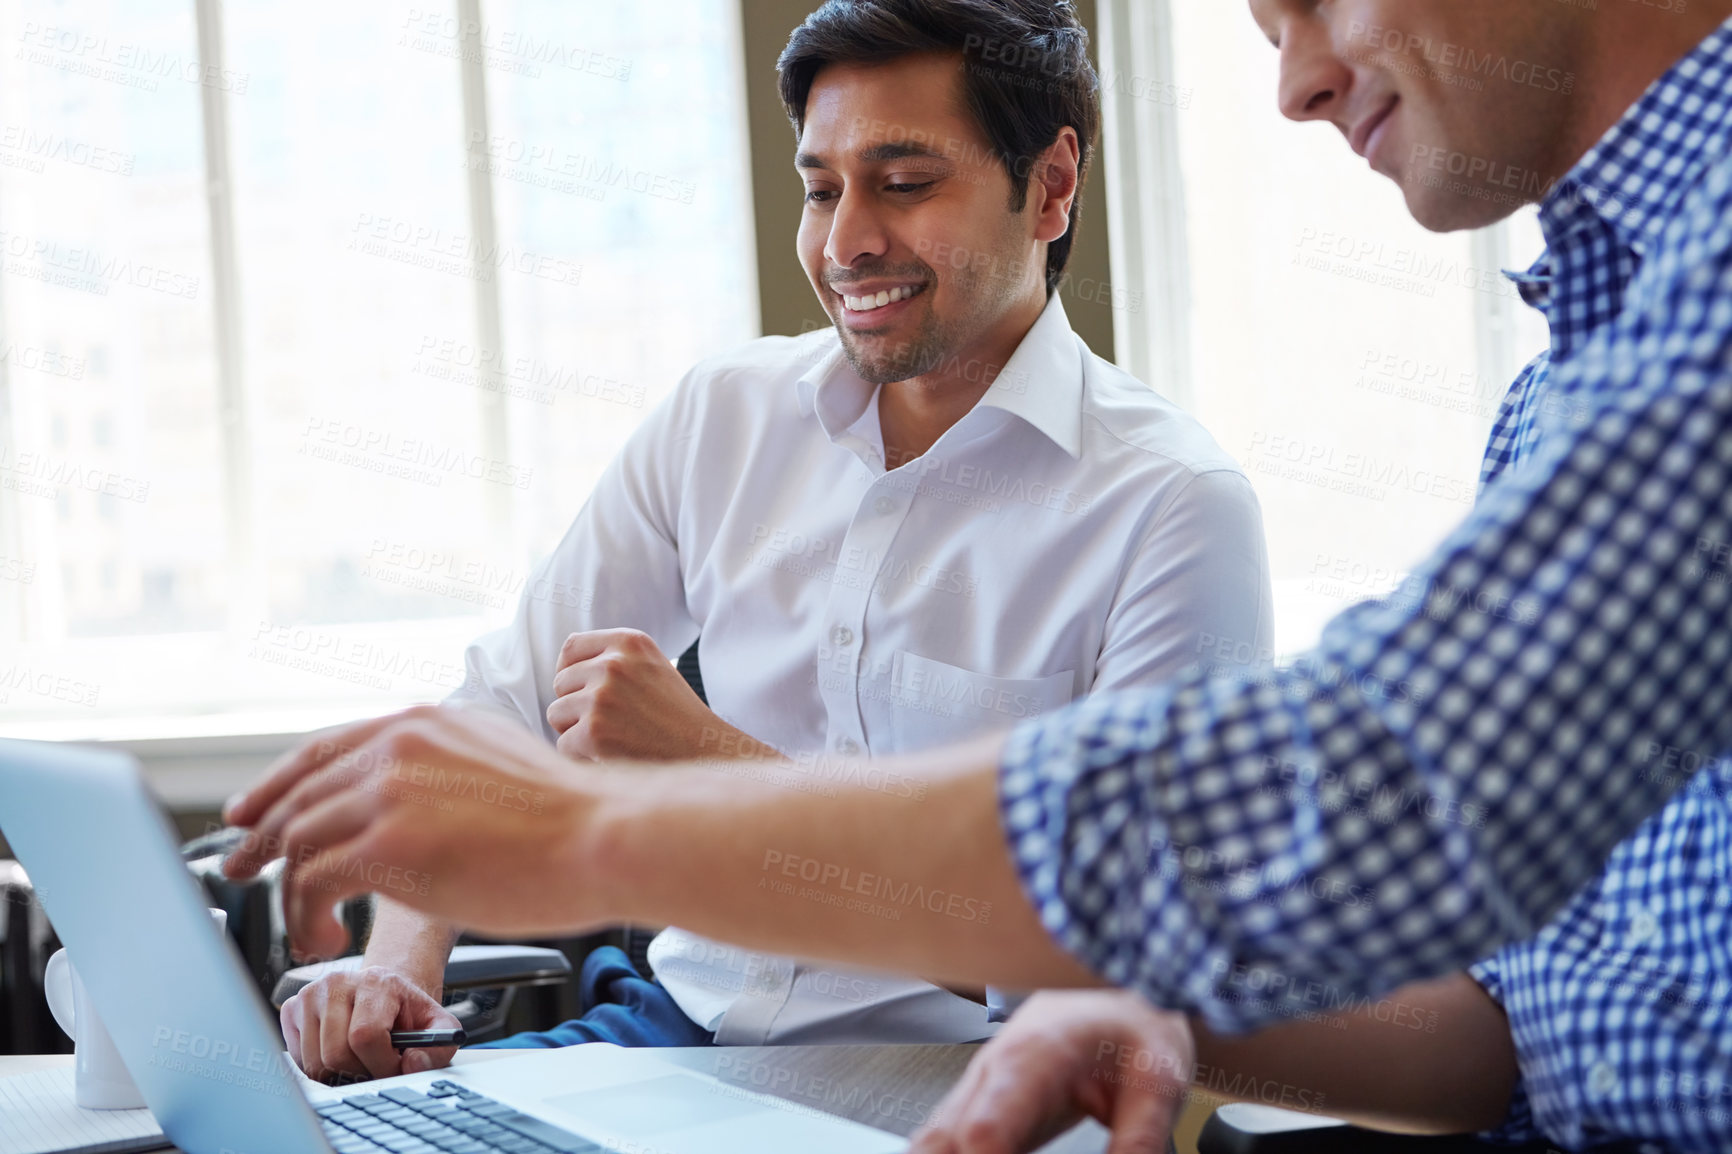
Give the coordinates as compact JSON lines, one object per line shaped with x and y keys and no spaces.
{"x":1064,"y":1056}
{"x":446,"y":810}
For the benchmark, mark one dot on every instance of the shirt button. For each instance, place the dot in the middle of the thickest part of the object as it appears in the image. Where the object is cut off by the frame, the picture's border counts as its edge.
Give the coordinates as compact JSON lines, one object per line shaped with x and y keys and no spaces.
{"x":848,"y":745}
{"x":1602,"y":1079}
{"x":842,"y":636}
{"x":1644,"y":926}
{"x":884,"y":506}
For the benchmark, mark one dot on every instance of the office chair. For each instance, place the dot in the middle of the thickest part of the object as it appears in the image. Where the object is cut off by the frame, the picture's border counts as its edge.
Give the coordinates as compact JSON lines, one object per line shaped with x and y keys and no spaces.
{"x":26,"y":941}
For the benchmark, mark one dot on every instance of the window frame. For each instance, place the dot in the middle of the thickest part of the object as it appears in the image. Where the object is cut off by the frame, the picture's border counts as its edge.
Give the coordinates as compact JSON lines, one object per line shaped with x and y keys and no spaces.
{"x":1149,"y":218}
{"x":197,"y":732}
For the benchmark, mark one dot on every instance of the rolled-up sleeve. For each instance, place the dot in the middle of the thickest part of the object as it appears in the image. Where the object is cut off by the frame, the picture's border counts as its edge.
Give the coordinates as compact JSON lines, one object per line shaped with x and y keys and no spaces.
{"x":1518,"y":1126}
{"x":1445,"y":770}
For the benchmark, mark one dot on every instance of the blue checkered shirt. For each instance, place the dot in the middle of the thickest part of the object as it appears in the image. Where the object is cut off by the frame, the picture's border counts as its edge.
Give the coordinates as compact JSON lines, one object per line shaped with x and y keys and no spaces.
{"x":1621,"y":1008}
{"x":1450,"y":768}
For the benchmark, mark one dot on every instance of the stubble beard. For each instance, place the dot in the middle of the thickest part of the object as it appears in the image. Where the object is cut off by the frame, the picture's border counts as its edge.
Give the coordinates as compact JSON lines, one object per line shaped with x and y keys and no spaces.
{"x":902,"y":360}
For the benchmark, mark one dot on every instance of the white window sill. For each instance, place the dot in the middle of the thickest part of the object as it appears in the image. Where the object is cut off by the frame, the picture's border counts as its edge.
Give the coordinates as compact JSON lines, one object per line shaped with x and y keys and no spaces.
{"x":196,"y":763}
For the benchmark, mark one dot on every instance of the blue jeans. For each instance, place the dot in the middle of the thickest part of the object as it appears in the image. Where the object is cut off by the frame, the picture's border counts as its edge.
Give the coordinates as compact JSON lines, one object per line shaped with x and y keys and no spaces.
{"x":620,"y":1006}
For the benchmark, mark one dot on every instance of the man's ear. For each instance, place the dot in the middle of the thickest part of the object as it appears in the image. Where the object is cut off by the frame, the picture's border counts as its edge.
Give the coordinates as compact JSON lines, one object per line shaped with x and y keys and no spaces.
{"x":1053,"y":185}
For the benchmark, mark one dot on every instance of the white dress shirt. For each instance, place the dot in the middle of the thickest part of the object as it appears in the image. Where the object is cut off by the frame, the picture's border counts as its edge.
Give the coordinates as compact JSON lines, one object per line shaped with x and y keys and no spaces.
{"x":1074,"y":532}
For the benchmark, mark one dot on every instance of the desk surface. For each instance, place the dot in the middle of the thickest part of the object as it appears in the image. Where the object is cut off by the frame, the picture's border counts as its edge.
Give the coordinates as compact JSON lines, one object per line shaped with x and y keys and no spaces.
{"x":893,"y":1088}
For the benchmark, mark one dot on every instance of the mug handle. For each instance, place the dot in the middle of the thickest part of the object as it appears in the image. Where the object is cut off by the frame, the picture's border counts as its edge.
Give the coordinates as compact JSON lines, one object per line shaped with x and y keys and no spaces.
{"x":57,"y":985}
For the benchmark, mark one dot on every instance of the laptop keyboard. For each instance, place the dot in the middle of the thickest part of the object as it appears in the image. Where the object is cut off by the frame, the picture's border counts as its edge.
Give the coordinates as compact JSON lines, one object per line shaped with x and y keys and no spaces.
{"x":447,"y":1119}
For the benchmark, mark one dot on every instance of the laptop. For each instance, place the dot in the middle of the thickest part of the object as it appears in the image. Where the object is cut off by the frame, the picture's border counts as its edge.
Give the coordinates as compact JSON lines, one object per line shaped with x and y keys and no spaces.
{"x":210,"y":1061}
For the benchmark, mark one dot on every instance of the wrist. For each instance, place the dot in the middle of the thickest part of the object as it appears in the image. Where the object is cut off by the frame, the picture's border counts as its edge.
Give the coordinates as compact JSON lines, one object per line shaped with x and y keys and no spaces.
{"x":417,"y":952}
{"x":429,"y":978}
{"x":719,"y":741}
{"x":598,"y":856}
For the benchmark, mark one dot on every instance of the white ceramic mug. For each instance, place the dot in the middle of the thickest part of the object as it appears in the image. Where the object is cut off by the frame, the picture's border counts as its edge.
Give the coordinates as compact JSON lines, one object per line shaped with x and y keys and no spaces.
{"x":100,"y":1080}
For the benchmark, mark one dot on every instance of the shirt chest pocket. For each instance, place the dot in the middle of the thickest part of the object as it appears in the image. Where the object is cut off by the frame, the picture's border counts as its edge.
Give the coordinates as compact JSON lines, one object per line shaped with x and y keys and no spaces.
{"x":935,"y":704}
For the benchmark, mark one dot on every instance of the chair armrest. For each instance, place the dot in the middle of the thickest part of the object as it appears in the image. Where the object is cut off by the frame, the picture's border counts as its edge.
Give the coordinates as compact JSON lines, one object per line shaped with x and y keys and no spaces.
{"x":470,"y":968}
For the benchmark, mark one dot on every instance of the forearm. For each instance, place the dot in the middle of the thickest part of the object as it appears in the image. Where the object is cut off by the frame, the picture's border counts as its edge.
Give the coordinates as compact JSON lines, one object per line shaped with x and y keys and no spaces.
{"x":414,"y":944}
{"x":902,"y":865}
{"x":1430,"y":1058}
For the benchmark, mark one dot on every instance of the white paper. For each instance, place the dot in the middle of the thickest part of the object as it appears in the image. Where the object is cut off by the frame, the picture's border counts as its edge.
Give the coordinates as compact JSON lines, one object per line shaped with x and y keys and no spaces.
{"x":38,"y":1116}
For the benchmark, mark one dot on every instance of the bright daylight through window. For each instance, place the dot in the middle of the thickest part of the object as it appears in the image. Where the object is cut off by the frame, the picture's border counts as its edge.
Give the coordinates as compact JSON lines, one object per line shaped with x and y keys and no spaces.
{"x":295,"y":386}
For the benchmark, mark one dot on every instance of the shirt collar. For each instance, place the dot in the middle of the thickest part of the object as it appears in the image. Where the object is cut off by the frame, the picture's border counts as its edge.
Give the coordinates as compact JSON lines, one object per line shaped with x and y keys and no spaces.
{"x":1041,"y":384}
{"x":1634,"y":178}
{"x":833,"y":391}
{"x":1043,"y":381}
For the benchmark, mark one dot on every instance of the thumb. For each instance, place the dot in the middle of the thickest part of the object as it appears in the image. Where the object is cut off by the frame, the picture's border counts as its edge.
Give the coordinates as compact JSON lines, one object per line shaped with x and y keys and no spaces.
{"x":422,"y":1059}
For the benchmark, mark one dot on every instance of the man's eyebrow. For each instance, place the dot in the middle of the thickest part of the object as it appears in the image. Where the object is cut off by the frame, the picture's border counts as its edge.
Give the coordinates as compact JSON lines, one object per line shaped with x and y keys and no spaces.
{"x":875,"y":154}
{"x":1274,"y":38}
{"x":899,"y":150}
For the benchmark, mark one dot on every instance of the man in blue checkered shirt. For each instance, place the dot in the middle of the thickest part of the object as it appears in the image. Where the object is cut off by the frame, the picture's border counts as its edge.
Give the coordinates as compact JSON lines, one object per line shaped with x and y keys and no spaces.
{"x":1619,"y":1012}
{"x":1442,"y":777}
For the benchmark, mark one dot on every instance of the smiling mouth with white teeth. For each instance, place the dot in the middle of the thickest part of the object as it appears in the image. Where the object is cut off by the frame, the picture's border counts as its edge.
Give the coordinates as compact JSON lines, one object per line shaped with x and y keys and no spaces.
{"x":879,"y":300}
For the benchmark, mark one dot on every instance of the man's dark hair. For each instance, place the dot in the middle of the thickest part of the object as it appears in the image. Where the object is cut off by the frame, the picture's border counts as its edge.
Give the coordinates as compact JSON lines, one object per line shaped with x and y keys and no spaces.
{"x":1026,"y":66}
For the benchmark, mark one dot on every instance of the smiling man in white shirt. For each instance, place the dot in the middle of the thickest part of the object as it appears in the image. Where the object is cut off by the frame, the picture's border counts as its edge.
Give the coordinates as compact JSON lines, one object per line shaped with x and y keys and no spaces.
{"x":938,"y":518}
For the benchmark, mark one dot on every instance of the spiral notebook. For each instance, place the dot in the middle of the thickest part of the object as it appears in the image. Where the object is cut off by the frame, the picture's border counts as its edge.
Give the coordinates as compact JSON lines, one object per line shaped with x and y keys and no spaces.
{"x":37,"y":1116}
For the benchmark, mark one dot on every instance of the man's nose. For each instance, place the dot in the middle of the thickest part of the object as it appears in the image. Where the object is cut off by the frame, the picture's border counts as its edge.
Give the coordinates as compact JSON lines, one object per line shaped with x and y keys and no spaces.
{"x":857,"y":231}
{"x":1314,"y":78}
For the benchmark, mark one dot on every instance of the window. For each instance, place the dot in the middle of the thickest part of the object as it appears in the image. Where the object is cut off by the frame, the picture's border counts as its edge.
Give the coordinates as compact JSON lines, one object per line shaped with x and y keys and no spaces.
{"x":319,"y":321}
{"x":1350,"y":360}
